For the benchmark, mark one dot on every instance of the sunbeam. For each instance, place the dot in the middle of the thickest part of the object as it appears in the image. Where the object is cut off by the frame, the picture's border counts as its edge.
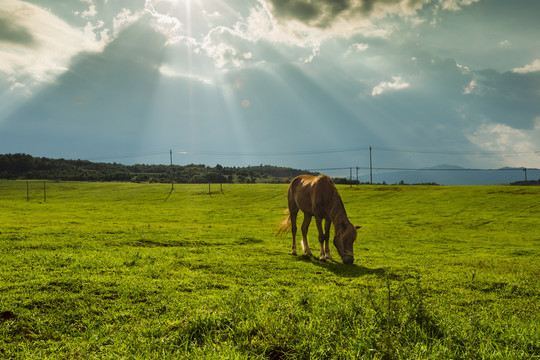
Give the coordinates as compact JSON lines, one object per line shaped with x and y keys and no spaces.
{"x":271,"y":77}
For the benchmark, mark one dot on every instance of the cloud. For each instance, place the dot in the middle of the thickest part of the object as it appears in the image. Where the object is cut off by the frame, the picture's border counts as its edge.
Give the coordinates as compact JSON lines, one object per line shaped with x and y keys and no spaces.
{"x":168,"y":71}
{"x":223,"y":46}
{"x":472,"y":88}
{"x":532,"y":67}
{"x":87,"y":14}
{"x":519,"y":145}
{"x":166,"y":24}
{"x":356,"y":48}
{"x":327,"y":13}
{"x":38,"y":45}
{"x":456,"y":5}
{"x":397,"y":84}
{"x":124,"y":18}
{"x":509,"y":98}
{"x":105,"y":97}
{"x":12,"y":32}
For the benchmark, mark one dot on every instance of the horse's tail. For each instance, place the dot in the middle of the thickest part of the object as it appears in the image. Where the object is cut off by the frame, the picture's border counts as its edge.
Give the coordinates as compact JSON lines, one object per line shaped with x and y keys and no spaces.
{"x":285,"y":224}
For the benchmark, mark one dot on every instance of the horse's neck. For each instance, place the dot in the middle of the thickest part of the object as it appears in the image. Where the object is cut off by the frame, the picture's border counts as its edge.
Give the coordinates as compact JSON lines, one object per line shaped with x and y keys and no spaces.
{"x":337,"y":211}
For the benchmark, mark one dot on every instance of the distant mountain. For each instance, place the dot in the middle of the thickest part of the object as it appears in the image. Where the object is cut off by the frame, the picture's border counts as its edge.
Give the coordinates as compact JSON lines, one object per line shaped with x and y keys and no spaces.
{"x":454,"y":175}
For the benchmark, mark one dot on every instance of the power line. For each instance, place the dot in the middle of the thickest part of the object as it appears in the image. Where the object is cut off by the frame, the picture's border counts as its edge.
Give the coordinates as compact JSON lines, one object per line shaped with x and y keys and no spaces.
{"x":453,"y":152}
{"x":313,"y":152}
{"x":284,"y":153}
{"x":415,"y":169}
{"x":132,"y":155}
{"x":359,"y":148}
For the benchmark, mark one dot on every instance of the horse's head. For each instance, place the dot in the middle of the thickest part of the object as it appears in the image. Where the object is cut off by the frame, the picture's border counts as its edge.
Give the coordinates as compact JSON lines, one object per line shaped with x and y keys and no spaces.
{"x":345,"y":238}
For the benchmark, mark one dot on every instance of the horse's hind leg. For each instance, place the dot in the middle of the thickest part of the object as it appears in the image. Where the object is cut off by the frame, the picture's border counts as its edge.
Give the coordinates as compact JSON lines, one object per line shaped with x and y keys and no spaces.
{"x":293,"y":214}
{"x":305,"y":226}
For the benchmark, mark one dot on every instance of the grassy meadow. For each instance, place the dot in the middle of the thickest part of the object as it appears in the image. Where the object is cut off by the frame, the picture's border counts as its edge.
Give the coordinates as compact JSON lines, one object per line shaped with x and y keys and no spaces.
{"x":122,"y":270}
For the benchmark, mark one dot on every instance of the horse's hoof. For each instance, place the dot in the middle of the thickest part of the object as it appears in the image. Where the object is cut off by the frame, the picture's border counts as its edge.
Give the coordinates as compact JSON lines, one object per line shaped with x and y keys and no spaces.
{"x":322,"y":259}
{"x":293,"y":252}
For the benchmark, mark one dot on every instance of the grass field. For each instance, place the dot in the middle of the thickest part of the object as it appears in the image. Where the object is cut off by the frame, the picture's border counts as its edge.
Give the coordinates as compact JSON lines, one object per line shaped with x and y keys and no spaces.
{"x":102,"y":270}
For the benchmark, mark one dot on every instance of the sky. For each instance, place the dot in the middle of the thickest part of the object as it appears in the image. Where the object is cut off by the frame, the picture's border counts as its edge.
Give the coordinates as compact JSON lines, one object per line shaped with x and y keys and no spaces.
{"x":310,"y":84}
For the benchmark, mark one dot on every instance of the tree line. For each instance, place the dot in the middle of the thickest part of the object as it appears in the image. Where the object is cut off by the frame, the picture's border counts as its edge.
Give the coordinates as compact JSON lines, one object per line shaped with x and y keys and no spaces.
{"x":24,"y":166}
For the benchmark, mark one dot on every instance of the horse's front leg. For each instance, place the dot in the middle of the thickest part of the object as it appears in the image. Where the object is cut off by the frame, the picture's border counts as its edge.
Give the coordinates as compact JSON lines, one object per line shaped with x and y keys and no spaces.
{"x":322,"y":238}
{"x":327,"y":224}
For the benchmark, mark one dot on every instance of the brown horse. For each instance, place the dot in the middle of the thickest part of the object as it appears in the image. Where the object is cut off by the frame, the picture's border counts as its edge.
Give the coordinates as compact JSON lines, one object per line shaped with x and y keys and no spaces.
{"x":318,"y":197}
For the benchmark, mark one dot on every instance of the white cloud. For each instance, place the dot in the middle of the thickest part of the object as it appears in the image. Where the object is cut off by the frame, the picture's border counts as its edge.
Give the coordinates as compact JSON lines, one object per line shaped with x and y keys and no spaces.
{"x":245,"y":41}
{"x":356,"y":48}
{"x":218,"y":45}
{"x":396,"y":84}
{"x":343,"y":17}
{"x":456,"y":5}
{"x":532,"y":67}
{"x":124,"y":18}
{"x":517,"y":147}
{"x":87,"y":14}
{"x":472,"y":88}
{"x":464,"y":69}
{"x":51,"y":45}
{"x":263,"y":24}
{"x":92,"y":38}
{"x":212,"y":15}
{"x":22,"y":89}
{"x":166,"y":24}
{"x":166,"y":70}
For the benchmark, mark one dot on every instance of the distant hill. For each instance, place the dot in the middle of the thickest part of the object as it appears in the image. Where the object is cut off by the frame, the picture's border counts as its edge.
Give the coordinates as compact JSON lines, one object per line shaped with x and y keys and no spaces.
{"x":455,"y":175}
{"x":23,"y":166}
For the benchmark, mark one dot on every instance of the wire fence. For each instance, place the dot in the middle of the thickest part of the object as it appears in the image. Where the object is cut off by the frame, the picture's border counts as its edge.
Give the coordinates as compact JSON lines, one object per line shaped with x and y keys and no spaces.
{"x":439,"y":176}
{"x":366,"y":171}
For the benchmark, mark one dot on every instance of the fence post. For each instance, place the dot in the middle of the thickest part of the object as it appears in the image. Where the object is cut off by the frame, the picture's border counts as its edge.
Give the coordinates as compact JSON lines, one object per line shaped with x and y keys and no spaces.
{"x":172,"y":176}
{"x":44,"y":191}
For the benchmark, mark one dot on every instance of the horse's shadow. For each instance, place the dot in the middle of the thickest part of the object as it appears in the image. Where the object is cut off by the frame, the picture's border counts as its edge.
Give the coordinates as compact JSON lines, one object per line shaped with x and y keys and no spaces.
{"x":343,"y":270}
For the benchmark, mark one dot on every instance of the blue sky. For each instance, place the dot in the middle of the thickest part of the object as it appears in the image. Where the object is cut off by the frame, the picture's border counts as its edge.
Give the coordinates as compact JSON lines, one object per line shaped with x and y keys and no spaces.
{"x":303,"y":83}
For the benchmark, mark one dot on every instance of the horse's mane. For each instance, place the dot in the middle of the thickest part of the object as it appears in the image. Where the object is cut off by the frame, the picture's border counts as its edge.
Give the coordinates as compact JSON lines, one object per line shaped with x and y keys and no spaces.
{"x":337,"y":209}
{"x":339,"y":215}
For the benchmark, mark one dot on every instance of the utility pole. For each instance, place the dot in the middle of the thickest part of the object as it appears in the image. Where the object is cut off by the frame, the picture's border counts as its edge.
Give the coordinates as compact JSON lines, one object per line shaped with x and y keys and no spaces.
{"x":525,"y":171}
{"x":370,"y":168}
{"x":172,"y":178}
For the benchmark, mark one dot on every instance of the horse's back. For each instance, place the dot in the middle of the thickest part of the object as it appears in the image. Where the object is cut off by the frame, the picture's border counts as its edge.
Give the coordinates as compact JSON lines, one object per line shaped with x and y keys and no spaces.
{"x":309,"y":192}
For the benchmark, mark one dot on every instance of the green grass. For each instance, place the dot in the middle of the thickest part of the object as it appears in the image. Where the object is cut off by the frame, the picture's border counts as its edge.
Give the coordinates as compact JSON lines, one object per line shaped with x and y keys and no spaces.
{"x":115,"y":271}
